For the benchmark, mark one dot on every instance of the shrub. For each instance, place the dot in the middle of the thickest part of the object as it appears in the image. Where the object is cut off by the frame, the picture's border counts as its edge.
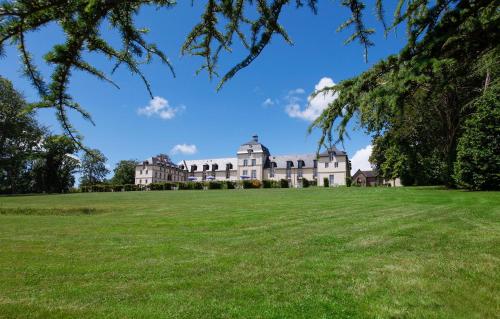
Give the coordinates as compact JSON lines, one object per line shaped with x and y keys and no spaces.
{"x":214,"y":185}
{"x":313,"y":183}
{"x":266,"y":183}
{"x":182,"y":186}
{"x":284,"y":183}
{"x":348,"y":181}
{"x":305,"y":182}
{"x":256,"y":183}
{"x":247,"y":184}
{"x":118,"y":188}
{"x":326,"y":183}
{"x":194,"y":185}
{"x":228,"y":185}
{"x":131,"y":187}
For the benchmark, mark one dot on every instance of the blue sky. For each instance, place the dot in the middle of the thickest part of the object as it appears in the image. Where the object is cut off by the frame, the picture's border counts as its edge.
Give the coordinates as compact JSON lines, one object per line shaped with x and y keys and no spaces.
{"x":268,"y":98}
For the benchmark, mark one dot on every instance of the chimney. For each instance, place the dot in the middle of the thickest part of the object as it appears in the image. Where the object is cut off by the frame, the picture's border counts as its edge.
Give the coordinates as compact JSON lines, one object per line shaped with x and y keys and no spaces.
{"x":255,"y":138}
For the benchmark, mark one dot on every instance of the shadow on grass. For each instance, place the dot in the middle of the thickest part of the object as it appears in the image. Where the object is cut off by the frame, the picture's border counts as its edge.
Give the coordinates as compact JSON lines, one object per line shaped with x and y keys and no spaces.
{"x":50,"y":211}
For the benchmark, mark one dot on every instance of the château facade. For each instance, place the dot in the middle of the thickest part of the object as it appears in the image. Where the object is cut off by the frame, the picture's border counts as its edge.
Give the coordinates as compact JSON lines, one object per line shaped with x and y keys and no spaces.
{"x":253,"y":161}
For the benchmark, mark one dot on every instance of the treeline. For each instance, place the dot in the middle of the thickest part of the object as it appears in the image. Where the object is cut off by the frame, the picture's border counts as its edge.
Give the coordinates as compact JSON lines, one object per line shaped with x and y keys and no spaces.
{"x":32,"y":160}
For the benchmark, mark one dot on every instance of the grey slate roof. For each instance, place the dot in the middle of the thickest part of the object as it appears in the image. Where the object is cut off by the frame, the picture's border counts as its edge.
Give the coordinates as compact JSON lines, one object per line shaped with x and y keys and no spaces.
{"x":160,"y":159}
{"x":253,"y":144}
{"x":333,"y":149}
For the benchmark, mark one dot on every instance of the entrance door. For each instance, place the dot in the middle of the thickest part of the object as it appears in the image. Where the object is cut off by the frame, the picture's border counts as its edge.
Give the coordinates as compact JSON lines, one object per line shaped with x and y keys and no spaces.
{"x":331,"y":179}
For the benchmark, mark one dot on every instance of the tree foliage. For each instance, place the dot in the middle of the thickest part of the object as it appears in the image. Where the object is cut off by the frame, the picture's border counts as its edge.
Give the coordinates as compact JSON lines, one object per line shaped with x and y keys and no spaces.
{"x":415,"y":102}
{"x":20,"y":138}
{"x":93,"y":168}
{"x":53,"y":170}
{"x":252,"y":23}
{"x":124,"y":172}
{"x":478,"y":152}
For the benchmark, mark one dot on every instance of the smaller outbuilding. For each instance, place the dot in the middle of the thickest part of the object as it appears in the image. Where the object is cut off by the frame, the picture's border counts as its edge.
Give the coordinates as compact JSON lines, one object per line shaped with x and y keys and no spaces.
{"x":372,"y":178}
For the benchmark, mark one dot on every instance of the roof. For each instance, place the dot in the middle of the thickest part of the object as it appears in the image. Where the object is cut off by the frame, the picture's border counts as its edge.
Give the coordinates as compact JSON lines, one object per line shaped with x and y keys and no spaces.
{"x":221,"y":163}
{"x":372,"y":173}
{"x":161,"y":159}
{"x":281,"y":160}
{"x":333,"y":150}
{"x":253,"y":145}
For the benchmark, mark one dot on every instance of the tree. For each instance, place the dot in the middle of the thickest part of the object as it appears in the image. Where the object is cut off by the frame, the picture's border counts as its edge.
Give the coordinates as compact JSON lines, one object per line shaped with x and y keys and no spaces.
{"x":478,"y":154}
{"x":20,"y":137}
{"x":415,"y":102}
{"x":93,"y":168}
{"x":124,"y":172}
{"x":53,"y":171}
{"x":253,"y":23}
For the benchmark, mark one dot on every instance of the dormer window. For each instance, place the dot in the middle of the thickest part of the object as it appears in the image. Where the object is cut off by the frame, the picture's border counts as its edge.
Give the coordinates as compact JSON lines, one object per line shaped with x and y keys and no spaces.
{"x":301,"y":164}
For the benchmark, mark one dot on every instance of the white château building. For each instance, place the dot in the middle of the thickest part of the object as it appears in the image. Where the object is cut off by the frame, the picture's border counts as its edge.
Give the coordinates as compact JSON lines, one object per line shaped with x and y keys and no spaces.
{"x":253,"y":161}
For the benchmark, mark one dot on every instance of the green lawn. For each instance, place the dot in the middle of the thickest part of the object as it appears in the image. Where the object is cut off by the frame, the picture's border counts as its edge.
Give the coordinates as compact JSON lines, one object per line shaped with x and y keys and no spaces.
{"x":277,"y":253}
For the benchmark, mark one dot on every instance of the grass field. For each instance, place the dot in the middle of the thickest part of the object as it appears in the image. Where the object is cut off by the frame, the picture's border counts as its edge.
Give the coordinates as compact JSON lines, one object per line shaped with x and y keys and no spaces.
{"x":276,"y":253}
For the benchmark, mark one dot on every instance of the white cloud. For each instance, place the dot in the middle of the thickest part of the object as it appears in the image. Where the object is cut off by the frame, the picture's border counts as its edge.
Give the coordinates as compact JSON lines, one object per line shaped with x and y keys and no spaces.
{"x":315,"y":106}
{"x":360,"y":159}
{"x":187,"y":149}
{"x":268,"y":102}
{"x":297,"y":91}
{"x":159,"y":106}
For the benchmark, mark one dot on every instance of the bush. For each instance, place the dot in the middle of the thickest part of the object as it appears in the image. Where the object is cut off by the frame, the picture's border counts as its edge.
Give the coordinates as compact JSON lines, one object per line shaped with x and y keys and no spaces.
{"x":266,"y":183}
{"x":284,"y":183}
{"x":326,"y":183}
{"x":214,"y":185}
{"x":194,"y":185}
{"x":118,"y":188}
{"x":131,"y":187}
{"x":228,"y":185}
{"x":348,"y":181}
{"x":182,"y":186}
{"x":254,"y":183}
{"x":305,"y":182}
{"x":313,"y":183}
{"x":247,"y":184}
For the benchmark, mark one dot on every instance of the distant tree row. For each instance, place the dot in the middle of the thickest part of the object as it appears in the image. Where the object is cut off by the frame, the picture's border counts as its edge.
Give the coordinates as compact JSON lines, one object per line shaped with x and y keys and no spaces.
{"x":32,"y":160}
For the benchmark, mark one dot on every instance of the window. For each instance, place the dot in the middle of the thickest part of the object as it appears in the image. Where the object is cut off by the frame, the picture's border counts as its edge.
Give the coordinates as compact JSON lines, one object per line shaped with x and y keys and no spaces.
{"x":326,"y":165}
{"x":272,"y":170}
{"x":146,"y":172}
{"x":336,"y":164}
{"x":141,"y":172}
{"x":245,"y":162}
{"x":156,"y":174}
{"x":299,"y":173}
{"x":245,"y":172}
{"x":140,"y":181}
{"x":331,"y":179}
{"x":254,"y":174}
{"x":254,"y":162}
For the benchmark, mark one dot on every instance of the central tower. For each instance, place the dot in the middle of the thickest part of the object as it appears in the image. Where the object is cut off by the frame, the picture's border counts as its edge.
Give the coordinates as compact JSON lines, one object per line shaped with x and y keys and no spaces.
{"x":252,"y":159}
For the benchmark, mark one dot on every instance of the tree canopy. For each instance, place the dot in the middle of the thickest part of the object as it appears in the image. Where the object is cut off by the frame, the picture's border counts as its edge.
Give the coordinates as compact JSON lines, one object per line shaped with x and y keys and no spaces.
{"x":252,"y":23}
